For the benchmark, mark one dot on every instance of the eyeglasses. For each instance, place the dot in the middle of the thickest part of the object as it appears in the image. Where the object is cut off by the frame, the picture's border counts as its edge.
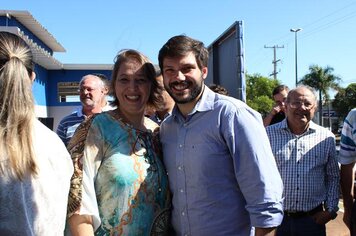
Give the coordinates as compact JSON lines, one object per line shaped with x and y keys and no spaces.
{"x":298,"y":104}
{"x":81,"y":90}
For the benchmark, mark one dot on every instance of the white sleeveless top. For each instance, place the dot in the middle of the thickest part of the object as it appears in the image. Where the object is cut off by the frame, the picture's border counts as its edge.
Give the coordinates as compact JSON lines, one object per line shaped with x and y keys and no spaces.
{"x":38,"y":205}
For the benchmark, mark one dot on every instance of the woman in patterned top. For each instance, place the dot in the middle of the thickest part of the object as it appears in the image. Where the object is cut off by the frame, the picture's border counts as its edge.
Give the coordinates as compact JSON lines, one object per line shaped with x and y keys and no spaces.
{"x":120,"y":186}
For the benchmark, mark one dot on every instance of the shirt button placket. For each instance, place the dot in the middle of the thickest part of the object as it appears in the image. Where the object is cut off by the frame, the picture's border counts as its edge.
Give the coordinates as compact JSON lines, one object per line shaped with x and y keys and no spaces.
{"x":181,"y":176}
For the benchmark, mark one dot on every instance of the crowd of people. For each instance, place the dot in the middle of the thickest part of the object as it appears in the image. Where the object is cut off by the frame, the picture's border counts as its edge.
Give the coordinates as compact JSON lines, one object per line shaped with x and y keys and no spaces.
{"x":168,"y":156}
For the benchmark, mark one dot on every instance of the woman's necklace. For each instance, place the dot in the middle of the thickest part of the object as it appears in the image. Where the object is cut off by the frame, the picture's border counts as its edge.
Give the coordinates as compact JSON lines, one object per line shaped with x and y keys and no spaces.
{"x":141,"y":127}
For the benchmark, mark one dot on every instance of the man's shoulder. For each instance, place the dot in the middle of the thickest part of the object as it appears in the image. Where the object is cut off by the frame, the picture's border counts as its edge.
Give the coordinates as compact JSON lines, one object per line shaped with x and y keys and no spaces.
{"x":73,"y":117}
{"x":233,"y":105}
{"x":351,"y":118}
{"x":322,"y":130}
{"x":276,"y":128}
{"x":353,"y":112}
{"x":167,"y":121}
{"x":227,"y":101}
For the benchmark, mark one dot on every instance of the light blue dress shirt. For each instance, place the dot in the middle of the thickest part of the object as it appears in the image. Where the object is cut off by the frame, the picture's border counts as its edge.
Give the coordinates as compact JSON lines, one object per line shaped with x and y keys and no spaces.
{"x":221,"y":169}
{"x":348,"y":139}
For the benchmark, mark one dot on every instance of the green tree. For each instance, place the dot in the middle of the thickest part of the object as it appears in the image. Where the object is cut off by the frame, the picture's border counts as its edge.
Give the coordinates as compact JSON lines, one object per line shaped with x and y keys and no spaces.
{"x":259,"y":92}
{"x":345,"y":100}
{"x":322,"y":80}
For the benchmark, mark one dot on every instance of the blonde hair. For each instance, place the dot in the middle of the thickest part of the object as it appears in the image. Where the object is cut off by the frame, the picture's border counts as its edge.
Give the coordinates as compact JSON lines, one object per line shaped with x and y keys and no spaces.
{"x":17,"y":112}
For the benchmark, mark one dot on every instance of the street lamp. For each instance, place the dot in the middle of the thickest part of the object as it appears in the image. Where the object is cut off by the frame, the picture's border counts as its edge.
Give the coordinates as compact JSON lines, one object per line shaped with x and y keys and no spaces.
{"x":295,"y":31}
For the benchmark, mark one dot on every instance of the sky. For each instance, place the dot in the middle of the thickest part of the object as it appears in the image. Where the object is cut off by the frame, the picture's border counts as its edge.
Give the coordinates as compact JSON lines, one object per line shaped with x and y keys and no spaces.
{"x":92,"y":32}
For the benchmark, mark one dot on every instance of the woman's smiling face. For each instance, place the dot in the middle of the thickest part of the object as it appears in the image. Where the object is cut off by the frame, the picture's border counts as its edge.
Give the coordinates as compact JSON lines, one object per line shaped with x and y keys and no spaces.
{"x":132,"y":88}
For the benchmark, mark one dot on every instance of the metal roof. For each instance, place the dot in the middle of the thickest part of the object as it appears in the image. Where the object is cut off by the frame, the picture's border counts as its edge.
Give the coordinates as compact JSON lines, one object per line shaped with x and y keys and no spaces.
{"x":41,"y":56}
{"x":25,"y":18}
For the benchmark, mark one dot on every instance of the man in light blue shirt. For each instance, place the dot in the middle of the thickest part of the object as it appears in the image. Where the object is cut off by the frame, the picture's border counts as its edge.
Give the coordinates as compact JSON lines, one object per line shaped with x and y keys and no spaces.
{"x":347,"y":159}
{"x":221,"y":169}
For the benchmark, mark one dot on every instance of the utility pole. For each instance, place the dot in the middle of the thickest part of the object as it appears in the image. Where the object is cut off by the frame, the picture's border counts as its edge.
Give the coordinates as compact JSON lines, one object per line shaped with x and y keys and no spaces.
{"x":274,"y":62}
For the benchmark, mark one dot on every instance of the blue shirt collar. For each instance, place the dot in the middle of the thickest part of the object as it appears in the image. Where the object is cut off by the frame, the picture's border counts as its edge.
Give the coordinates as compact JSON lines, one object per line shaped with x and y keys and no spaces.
{"x":79,"y":112}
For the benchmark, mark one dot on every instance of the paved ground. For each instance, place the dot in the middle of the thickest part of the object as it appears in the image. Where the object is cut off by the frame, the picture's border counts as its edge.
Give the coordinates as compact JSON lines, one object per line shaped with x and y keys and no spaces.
{"x":337,"y":227}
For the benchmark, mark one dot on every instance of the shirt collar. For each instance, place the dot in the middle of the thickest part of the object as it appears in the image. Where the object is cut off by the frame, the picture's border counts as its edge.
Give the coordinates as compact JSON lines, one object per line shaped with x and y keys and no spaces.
{"x":79,"y":111}
{"x":284,"y":125}
{"x":206,"y":102}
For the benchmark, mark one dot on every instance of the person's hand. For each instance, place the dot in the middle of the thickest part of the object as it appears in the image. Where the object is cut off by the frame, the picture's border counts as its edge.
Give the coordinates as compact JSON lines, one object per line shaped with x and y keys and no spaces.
{"x":267,"y":120}
{"x":322,"y":217}
{"x":276,"y":109}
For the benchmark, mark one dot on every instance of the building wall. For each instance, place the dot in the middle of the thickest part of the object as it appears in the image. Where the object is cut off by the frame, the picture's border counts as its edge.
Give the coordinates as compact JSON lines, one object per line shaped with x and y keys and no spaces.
{"x":39,"y":90}
{"x":45,"y":87}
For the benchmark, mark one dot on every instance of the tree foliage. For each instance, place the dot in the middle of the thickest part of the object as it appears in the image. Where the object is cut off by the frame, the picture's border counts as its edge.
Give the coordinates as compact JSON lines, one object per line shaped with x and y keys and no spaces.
{"x":321,"y":79}
{"x":259,"y":92}
{"x":345,"y":100}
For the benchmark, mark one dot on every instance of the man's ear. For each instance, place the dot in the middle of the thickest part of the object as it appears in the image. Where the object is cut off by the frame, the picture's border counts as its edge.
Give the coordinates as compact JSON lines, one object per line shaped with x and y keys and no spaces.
{"x":204,"y":72}
{"x":106,"y":90}
{"x":33,"y":76}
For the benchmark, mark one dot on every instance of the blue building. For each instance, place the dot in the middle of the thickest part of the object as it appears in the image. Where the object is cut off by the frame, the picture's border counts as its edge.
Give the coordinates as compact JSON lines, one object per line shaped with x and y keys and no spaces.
{"x":56,"y":86}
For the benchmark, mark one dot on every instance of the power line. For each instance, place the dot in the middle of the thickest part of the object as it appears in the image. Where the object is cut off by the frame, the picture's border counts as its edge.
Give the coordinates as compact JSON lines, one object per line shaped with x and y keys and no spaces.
{"x":329,"y":24}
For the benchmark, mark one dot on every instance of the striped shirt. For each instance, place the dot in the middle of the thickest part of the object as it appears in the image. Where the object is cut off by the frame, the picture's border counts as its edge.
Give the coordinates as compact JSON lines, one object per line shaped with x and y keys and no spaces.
{"x":308,"y":166}
{"x":69,"y":124}
{"x":348,"y":139}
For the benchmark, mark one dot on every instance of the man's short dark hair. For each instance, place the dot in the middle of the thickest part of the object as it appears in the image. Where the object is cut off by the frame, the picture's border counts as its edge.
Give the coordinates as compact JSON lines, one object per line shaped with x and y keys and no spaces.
{"x":279,"y":89}
{"x":181,"y":45}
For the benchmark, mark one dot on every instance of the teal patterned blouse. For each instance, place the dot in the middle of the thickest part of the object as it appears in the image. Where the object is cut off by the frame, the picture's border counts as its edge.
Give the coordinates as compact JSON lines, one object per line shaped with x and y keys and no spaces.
{"x":124,"y":185}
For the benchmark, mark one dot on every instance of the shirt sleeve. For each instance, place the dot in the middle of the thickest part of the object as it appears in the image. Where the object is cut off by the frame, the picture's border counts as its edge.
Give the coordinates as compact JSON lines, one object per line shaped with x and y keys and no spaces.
{"x":332,"y":177}
{"x":86,"y":155}
{"x":255,"y":167}
{"x":91,"y":162}
{"x":348,"y":139}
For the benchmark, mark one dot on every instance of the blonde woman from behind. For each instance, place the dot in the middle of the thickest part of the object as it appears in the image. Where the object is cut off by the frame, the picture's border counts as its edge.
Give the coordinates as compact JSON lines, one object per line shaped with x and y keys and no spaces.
{"x":35,"y":167}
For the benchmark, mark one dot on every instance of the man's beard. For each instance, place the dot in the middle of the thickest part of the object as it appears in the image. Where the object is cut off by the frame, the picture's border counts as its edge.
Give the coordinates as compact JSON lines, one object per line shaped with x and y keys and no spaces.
{"x":87,"y":102}
{"x":193,"y":93}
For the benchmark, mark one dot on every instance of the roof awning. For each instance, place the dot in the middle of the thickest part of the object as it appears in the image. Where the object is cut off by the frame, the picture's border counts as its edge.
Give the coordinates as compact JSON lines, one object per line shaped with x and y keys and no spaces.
{"x":40,"y":56}
{"x":26,"y":19}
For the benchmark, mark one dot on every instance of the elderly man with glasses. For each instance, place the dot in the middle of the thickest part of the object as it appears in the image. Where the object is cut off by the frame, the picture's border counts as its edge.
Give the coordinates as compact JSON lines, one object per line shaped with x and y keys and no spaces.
{"x":306,"y":159}
{"x":92,"y":92}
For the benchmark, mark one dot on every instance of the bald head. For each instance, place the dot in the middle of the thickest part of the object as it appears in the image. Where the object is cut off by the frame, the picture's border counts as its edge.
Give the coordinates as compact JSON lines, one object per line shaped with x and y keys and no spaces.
{"x":300,"y":109}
